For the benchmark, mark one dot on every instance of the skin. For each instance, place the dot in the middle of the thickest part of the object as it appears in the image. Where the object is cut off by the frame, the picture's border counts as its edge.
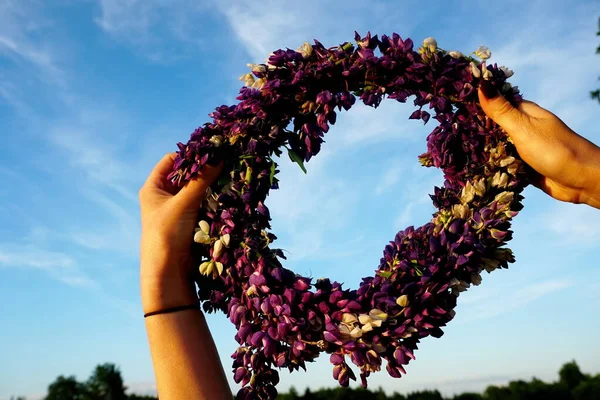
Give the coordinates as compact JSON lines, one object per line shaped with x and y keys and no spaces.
{"x":567,"y":165}
{"x":185,"y":359}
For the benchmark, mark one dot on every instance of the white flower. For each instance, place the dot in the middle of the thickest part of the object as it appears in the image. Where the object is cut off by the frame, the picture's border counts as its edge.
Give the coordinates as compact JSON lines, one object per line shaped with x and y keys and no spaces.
{"x":248,"y":79}
{"x":350,"y":330}
{"x":507,"y":161}
{"x":218,"y":249}
{"x":206,"y":267}
{"x":456,"y":54}
{"x":479,"y":187}
{"x":378,"y":315}
{"x":306,"y":50}
{"x":487,"y":74}
{"x":258,"y":68}
{"x":225,"y":239}
{"x":468,"y":193}
{"x":211,"y":268}
{"x":402,"y":301}
{"x":259,"y":83}
{"x":461,"y":211}
{"x":217,"y":140}
{"x":483,"y":52}
{"x":201,"y":237}
{"x":204,"y":226}
{"x":348,"y":318}
{"x":431,"y":44}
{"x":500,"y":179}
{"x":219,"y":267}
{"x":507,"y":72}
{"x":475,"y":70}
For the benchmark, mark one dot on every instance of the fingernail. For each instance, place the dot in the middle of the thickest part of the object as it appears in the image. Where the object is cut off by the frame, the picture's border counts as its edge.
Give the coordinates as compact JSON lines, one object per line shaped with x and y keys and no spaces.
{"x":489,"y":90}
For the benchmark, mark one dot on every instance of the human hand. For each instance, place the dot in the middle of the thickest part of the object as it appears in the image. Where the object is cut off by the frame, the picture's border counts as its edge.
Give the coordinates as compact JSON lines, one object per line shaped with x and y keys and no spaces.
{"x":169,"y":216}
{"x":567,"y":165}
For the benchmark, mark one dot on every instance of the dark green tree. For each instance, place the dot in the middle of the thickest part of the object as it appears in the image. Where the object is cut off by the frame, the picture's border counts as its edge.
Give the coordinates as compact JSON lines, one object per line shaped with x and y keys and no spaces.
{"x":468,"y":396}
{"x":570,"y":375}
{"x":587,"y":390}
{"x":425,"y":395}
{"x":66,"y":388}
{"x":106,"y":383}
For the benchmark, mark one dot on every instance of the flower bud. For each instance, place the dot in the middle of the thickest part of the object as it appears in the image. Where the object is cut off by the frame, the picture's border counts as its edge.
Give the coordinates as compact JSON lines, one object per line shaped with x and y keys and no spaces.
{"x":507,"y":72}
{"x":483,"y":52}
{"x":218,"y":249}
{"x":248,"y":79}
{"x":487,"y":74}
{"x":217,"y":140}
{"x":306,"y":50}
{"x":225,"y":239}
{"x":402,"y":301}
{"x":201,"y":237}
{"x":204,"y":226}
{"x":475,"y":70}
{"x":456,"y":54}
{"x":431,"y":44}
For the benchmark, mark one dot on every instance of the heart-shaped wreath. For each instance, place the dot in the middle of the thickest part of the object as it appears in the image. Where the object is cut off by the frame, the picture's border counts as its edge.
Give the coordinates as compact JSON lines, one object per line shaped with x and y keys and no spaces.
{"x":283,"y":319}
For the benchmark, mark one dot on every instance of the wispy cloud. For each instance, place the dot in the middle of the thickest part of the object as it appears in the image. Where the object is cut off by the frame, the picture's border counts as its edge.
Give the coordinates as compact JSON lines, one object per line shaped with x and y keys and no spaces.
{"x":156,"y":28}
{"x":22,"y":42}
{"x":474,"y":307}
{"x":280,"y":24}
{"x":573,"y":224}
{"x":58,"y":265}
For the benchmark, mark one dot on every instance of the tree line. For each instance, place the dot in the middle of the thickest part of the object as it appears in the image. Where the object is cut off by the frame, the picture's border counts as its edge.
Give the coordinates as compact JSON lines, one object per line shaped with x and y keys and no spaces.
{"x":106,"y":383}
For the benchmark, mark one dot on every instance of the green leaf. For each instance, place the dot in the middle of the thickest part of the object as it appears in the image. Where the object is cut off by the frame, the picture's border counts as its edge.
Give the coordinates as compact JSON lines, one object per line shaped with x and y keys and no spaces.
{"x":385,"y":274}
{"x":297,"y":159}
{"x":272,"y":174}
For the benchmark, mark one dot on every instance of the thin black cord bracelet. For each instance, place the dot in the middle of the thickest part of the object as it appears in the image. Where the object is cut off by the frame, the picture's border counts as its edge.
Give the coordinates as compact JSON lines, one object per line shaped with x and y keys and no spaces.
{"x":195,"y":306}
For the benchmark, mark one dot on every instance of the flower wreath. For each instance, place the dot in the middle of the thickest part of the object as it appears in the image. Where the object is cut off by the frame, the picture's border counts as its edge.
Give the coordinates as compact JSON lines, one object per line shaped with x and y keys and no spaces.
{"x":283,"y":319}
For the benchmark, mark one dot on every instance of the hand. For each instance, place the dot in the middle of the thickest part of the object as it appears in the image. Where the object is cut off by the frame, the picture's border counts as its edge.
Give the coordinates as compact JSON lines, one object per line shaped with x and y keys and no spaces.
{"x":567,"y":165}
{"x":169,"y":216}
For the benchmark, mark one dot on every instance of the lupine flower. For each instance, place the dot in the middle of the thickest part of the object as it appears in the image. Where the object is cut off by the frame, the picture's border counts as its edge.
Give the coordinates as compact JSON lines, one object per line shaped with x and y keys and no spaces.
{"x":202,"y":233}
{"x":431,"y":44}
{"x":483,"y":52}
{"x":475,"y":70}
{"x":306,"y":50}
{"x":507,"y":72}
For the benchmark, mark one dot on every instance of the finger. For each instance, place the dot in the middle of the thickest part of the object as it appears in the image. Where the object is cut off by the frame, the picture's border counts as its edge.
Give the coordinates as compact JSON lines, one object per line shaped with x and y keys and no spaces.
{"x":161,"y":170}
{"x":192,"y":194}
{"x":500,"y":110}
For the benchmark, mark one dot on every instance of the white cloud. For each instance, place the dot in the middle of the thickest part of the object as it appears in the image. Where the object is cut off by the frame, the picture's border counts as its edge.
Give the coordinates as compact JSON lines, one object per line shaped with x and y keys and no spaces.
{"x":57,"y":264}
{"x":479,"y":307}
{"x":279,"y":24}
{"x":155,"y":27}
{"x":572,"y":223}
{"x":20,"y":22}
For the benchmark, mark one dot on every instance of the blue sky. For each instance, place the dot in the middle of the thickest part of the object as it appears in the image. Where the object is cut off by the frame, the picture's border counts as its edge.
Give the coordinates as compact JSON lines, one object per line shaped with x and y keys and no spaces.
{"x":93,"y":93}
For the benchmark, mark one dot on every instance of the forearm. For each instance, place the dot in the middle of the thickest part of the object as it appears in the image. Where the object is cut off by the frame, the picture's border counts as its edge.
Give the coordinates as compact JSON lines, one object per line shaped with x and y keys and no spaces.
{"x":185,"y":359}
{"x":591,"y":193}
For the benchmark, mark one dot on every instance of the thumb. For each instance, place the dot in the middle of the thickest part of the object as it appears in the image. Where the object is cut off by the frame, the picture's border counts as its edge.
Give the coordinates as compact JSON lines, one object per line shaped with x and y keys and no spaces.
{"x":191,"y":195}
{"x":499,"y":109}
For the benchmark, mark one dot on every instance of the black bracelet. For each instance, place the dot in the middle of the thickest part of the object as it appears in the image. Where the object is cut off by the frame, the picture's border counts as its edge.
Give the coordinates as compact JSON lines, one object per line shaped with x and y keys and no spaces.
{"x":195,"y":306}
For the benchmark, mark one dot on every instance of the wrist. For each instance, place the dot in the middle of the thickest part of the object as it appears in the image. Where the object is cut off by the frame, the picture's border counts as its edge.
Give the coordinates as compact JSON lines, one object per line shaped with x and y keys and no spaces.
{"x":165,"y":292}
